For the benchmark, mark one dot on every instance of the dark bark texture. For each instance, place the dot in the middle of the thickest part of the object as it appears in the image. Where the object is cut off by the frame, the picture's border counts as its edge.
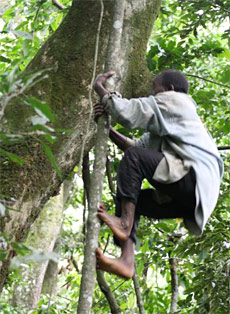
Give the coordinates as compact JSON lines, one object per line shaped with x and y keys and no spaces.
{"x":68,"y":57}
{"x":138,"y":292}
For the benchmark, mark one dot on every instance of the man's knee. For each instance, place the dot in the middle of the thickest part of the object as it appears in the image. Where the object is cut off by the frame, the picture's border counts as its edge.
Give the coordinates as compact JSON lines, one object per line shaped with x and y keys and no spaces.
{"x":131,"y":152}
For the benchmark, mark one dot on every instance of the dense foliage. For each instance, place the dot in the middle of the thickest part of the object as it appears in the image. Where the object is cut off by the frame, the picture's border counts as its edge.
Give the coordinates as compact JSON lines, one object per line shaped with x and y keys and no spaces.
{"x":191,"y":36}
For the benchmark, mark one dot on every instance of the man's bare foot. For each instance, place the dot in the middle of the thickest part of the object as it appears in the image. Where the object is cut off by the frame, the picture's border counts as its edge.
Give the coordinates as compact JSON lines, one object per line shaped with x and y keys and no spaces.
{"x":118,"y":227}
{"x":119,"y":267}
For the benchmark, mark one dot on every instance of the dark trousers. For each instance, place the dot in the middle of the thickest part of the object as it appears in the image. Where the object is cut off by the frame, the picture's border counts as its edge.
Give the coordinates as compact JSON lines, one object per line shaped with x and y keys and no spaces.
{"x":140,"y":163}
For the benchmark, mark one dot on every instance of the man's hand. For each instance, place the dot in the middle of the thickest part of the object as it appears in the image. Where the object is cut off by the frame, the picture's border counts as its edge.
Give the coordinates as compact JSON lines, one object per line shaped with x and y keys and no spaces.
{"x":102,"y":78}
{"x":99,"y":83}
{"x":98,"y":111}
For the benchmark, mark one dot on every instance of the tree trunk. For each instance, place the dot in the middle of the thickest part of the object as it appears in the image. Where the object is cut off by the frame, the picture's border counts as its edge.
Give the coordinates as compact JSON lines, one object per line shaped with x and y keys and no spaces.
{"x":97,"y":179}
{"x":174,"y":283}
{"x":69,"y":56}
{"x":42,"y":237}
{"x":49,"y":284}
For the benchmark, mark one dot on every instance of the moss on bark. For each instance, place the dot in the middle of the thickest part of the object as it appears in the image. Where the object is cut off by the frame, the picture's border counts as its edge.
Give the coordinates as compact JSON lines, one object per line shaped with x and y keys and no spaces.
{"x":138,"y":79}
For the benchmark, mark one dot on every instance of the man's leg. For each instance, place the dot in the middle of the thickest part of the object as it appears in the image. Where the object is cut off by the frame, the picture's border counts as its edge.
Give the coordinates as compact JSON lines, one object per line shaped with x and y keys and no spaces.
{"x":137,"y":164}
{"x":120,"y":226}
{"x":123,"y":266}
{"x":181,"y":202}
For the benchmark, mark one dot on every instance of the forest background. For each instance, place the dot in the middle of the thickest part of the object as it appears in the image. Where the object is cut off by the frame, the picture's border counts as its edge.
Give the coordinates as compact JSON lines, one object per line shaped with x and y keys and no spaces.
{"x":176,"y":273}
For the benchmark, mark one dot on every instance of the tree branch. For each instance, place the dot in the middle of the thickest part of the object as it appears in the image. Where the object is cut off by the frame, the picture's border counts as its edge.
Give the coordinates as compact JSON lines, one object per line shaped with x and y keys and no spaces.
{"x":174,"y":283}
{"x":138,"y":292}
{"x":86,"y":181}
{"x":223,"y":147}
{"x":221,"y":8}
{"x":208,"y":80}
{"x":58,"y":5}
{"x":107,"y":243}
{"x":173,"y":271}
{"x":114,"y":307}
{"x":74,"y":263}
{"x":110,"y":180}
{"x":86,"y":174}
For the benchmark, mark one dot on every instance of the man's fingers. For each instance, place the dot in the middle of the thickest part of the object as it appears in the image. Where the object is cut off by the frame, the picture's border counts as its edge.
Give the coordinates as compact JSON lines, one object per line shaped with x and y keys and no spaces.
{"x":109,"y":74}
{"x":98,"y":110}
{"x":98,"y":106}
{"x":101,"y":79}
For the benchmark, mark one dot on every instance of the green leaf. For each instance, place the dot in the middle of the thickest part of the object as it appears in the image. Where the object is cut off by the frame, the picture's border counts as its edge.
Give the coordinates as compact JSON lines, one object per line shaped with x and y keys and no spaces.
{"x":43,"y":128}
{"x":225,"y":54}
{"x":36,"y":120}
{"x":50,"y":138}
{"x":11,"y":156}
{"x":41,"y":108}
{"x":3,"y":59}
{"x":12,"y":76}
{"x":51,"y":158}
{"x":22,"y":34}
{"x":3,"y":254}
{"x":225,"y":78}
{"x":131,"y":301}
{"x":21,"y":248}
{"x":164,"y":226}
{"x":38,"y":257}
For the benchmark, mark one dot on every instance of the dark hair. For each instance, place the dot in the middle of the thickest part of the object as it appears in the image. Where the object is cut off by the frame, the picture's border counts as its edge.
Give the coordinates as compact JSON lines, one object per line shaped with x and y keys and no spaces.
{"x":175,"y":78}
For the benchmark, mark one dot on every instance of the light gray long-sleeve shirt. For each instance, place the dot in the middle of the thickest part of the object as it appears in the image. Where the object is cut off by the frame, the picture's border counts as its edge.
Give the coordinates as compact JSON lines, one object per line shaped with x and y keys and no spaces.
{"x":174,"y":128}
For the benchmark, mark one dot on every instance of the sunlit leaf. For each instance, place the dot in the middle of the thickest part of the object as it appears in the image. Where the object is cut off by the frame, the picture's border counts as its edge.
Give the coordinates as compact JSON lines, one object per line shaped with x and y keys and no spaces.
{"x":37,"y":257}
{"x":51,"y":158}
{"x":11,"y":156}
{"x":41,"y":108}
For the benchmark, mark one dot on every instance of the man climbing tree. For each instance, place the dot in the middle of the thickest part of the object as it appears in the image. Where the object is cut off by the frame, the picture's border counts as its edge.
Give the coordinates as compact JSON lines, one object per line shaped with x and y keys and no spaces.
{"x":176,"y":155}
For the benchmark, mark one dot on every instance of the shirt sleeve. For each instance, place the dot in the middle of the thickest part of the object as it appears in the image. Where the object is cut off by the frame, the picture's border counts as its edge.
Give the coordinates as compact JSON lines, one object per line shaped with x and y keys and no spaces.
{"x":143,"y":141}
{"x":142,"y":113}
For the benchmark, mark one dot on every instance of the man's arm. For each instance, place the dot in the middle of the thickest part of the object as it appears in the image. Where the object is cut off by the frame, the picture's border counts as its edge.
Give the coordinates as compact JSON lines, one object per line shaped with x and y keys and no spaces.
{"x":142,"y":113}
{"x":123,"y":142}
{"x":99,"y":83}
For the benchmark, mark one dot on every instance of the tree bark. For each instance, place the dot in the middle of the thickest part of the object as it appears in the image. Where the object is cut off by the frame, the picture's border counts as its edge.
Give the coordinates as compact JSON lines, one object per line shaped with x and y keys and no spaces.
{"x":138,"y":292}
{"x":97,"y":178}
{"x":174,"y":283}
{"x":42,"y":237}
{"x":114,"y":307}
{"x":86,"y":182}
{"x":68,"y":58}
{"x":49,"y":284}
